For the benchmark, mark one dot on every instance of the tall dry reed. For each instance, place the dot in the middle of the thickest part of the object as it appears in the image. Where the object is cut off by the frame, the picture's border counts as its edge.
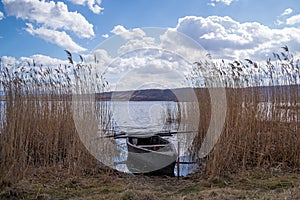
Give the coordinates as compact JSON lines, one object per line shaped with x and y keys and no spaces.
{"x":37,"y":127}
{"x":262,"y":129}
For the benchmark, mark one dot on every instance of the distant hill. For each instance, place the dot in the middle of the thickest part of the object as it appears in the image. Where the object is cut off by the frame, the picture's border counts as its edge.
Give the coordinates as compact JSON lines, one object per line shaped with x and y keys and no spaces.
{"x":170,"y":94}
{"x":139,"y":95}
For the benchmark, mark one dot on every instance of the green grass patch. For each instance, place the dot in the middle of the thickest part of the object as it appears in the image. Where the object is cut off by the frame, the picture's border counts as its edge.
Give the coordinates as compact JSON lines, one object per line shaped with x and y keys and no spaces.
{"x":188,"y":190}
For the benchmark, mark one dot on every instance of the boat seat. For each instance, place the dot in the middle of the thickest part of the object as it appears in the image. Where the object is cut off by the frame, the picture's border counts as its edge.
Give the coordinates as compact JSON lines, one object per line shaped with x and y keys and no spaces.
{"x":153,"y":145}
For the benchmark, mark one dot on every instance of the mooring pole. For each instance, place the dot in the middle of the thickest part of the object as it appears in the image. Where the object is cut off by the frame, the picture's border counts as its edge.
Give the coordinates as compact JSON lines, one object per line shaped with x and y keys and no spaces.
{"x":178,"y":161}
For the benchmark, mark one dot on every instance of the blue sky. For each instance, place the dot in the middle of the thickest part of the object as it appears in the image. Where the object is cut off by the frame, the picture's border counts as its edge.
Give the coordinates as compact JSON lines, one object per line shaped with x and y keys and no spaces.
{"x":30,"y":27}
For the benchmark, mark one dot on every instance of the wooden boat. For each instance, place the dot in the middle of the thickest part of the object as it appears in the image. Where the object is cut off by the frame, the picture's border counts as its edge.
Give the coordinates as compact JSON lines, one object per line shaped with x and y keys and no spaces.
{"x":150,"y":154}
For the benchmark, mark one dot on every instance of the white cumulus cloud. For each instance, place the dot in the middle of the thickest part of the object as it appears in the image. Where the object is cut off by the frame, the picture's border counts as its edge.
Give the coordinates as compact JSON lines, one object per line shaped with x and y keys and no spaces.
{"x":128,"y":34}
{"x":226,"y":2}
{"x":42,"y":60}
{"x":51,"y":17}
{"x":50,"y":14}
{"x":38,"y":59}
{"x":293,"y":20}
{"x":8,"y":60}
{"x":225,"y":38}
{"x":143,"y":58}
{"x":287,"y":12}
{"x":105,"y":36}
{"x":134,"y":39}
{"x":94,"y":5}
{"x":147,"y":68}
{"x":119,"y":29}
{"x":60,"y":38}
{"x":283,"y":16}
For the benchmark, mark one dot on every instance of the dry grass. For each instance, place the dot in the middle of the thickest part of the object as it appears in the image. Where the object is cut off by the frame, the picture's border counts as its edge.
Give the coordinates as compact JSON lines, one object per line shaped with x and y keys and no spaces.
{"x":48,"y":185}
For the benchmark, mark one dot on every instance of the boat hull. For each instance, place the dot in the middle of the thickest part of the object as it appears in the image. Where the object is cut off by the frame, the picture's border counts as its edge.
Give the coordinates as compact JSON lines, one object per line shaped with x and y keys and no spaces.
{"x":153,"y":159}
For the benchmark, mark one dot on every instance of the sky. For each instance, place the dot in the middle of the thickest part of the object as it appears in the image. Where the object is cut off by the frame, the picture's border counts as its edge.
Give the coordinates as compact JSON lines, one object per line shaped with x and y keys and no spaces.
{"x":226,"y":29}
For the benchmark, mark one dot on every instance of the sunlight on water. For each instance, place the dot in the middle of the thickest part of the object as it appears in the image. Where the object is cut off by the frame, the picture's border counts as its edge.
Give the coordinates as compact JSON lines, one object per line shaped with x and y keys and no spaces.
{"x":136,"y":116}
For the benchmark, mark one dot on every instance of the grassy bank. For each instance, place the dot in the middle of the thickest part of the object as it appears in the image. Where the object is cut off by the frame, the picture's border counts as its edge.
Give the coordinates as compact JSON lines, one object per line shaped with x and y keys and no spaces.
{"x":253,"y":185}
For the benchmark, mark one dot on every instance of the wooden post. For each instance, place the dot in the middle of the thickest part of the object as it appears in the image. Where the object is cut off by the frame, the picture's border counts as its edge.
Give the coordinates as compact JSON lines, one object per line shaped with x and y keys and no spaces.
{"x":178,"y":161}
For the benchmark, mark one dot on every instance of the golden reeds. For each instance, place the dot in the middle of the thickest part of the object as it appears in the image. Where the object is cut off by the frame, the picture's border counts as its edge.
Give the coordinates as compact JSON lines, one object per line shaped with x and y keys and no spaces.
{"x":37,"y":127}
{"x":261,"y":129}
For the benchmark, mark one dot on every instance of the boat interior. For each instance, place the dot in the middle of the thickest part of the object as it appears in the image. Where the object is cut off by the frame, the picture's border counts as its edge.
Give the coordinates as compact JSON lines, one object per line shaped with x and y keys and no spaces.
{"x":153,"y":143}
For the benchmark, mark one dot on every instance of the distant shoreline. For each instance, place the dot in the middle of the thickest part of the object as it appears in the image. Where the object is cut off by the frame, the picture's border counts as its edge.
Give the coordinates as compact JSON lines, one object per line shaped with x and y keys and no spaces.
{"x":159,"y":94}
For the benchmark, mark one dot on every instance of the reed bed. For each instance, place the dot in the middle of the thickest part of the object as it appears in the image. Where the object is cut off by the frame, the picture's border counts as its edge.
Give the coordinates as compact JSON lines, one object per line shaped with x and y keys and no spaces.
{"x":262,"y":129}
{"x":37,"y":127}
